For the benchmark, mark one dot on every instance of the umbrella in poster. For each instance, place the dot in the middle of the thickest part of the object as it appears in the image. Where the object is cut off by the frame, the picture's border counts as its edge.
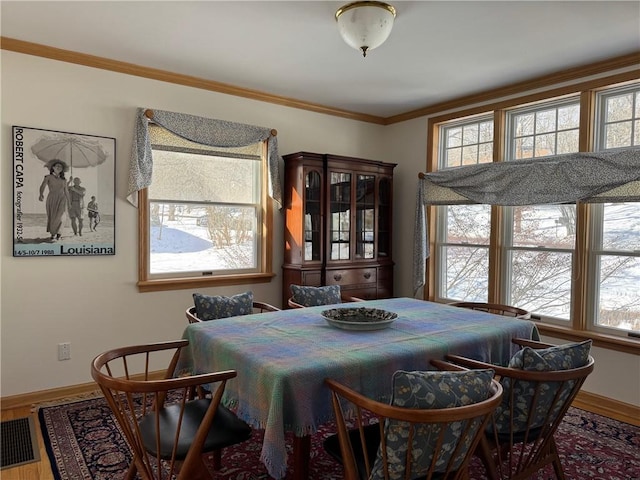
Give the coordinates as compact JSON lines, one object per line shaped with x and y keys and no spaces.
{"x":75,"y":150}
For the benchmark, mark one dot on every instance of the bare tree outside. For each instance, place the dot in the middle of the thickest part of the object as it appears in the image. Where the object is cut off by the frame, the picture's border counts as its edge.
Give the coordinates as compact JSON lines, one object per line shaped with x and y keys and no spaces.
{"x":540,"y":279}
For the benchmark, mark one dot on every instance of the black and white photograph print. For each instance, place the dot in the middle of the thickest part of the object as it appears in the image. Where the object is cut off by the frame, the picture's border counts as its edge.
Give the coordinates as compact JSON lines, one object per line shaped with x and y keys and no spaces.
{"x":63,"y":193}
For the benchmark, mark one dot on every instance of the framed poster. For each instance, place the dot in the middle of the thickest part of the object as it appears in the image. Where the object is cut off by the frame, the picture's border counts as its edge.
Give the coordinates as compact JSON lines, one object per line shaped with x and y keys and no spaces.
{"x":63,"y":193}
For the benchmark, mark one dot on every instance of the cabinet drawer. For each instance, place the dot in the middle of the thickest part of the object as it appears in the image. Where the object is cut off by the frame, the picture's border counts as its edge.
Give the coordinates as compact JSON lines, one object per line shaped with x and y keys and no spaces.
{"x":312,"y":279}
{"x":352,"y":276}
{"x":363,"y":293}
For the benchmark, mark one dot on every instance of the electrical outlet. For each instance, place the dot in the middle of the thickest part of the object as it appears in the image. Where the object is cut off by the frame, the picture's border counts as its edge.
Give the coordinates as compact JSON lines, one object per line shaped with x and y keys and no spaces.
{"x":64,"y":351}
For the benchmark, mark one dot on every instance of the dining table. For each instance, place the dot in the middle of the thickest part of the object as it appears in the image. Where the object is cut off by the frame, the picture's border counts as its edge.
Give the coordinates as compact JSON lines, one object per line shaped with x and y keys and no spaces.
{"x":282,"y":359}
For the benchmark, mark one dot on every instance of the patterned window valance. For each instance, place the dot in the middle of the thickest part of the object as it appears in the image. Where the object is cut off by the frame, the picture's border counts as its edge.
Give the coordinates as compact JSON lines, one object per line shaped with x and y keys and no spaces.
{"x":205,"y":131}
{"x":576,"y":177}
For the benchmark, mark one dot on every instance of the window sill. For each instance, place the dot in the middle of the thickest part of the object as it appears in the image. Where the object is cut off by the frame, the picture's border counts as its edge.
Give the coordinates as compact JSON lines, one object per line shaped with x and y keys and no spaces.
{"x":610,"y":342}
{"x":191,"y":283}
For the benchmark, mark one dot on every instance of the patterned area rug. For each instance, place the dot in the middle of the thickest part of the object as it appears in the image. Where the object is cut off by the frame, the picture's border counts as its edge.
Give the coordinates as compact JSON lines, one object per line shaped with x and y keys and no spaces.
{"x":85,"y":443}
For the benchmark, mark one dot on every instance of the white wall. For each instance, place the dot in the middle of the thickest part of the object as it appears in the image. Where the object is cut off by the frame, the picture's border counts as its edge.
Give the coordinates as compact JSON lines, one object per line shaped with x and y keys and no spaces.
{"x":93,"y":302}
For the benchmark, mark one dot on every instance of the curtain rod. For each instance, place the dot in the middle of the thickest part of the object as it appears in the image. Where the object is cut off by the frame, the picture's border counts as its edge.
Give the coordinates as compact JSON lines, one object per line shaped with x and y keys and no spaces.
{"x":149,"y":114}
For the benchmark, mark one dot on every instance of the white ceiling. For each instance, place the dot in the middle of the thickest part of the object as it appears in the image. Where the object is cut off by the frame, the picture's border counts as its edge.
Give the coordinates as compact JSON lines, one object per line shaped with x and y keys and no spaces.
{"x":438,"y":50}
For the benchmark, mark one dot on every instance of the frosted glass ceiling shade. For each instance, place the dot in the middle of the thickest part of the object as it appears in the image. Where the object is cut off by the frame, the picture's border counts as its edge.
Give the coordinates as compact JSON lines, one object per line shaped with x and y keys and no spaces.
{"x":365,"y":25}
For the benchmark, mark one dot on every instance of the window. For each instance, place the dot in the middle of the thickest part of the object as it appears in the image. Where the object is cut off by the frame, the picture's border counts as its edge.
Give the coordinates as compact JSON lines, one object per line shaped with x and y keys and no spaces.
{"x":463,"y":240}
{"x":615,"y":259}
{"x":575,"y":267}
{"x":538,"y":131}
{"x":467,"y":143}
{"x":618,"y":117}
{"x":615,"y":268}
{"x":539,"y":240}
{"x":204,"y":212}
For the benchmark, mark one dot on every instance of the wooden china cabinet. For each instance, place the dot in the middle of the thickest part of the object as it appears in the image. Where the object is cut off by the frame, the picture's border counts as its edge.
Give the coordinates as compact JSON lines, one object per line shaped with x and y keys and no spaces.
{"x":338,"y":224}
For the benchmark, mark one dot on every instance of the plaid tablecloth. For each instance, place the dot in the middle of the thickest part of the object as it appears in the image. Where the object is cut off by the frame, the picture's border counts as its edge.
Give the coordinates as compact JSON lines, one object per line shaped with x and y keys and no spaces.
{"x":282,"y":359}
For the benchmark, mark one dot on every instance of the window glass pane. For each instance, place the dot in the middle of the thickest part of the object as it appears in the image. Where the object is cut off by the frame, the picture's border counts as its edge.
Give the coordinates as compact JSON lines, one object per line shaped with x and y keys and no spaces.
{"x":545,"y":145}
{"x":465,"y":273}
{"x":619,"y":295}
{"x":523,"y":148}
{"x":541,"y":282}
{"x":567,"y":142}
{"x":569,"y":117}
{"x":453,"y":158}
{"x":524,"y":125}
{"x":470,"y":155}
{"x":470,"y":134}
{"x":619,"y":107}
{"x":617,"y":135}
{"x":486,"y":132}
{"x":485,"y":153}
{"x":200,"y":237}
{"x":465,"y":269}
{"x":340,"y":225}
{"x":551,"y":226}
{"x":545,"y":121}
{"x":454,"y":137}
{"x":621,"y":227}
{"x":312,"y":216}
{"x":365,"y":210}
{"x":468,"y":224}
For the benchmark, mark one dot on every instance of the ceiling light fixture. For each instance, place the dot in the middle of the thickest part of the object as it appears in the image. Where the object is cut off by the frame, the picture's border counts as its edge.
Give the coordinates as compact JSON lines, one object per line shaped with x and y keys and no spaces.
{"x":365,"y":25}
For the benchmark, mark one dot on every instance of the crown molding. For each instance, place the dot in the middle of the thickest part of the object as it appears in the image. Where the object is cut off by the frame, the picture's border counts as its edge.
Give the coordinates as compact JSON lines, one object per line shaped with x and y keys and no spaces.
{"x":38,"y":50}
{"x":566,"y":75}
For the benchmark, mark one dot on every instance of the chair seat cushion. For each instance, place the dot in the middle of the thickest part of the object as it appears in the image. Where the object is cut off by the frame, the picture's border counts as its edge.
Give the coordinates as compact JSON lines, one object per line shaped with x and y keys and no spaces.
{"x":227,"y":429}
{"x":430,"y":390}
{"x":209,"y":307}
{"x":315,"y":296}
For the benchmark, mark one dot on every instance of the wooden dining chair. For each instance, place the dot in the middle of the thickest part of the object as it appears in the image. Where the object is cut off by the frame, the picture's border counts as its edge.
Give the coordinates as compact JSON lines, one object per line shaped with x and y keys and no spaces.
{"x":258,"y":307}
{"x":426,"y":432}
{"x":496,"y":308}
{"x":307,"y":296}
{"x":213,"y":307}
{"x":539,"y":385}
{"x":166,"y":428}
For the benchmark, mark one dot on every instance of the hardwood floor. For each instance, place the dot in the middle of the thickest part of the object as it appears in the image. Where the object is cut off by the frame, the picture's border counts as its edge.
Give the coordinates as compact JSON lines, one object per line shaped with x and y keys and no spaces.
{"x":31,"y":471}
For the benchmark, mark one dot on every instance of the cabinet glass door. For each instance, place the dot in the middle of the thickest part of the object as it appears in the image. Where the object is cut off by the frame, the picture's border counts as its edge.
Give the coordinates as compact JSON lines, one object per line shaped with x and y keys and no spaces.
{"x":365,"y":216}
{"x":340,"y":215}
{"x":312,"y":216}
{"x":384,"y":217}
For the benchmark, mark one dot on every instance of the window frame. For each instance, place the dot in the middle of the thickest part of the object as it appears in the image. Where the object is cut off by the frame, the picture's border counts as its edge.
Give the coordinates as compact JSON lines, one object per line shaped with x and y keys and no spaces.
{"x":264,"y":273}
{"x":577,"y":328}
